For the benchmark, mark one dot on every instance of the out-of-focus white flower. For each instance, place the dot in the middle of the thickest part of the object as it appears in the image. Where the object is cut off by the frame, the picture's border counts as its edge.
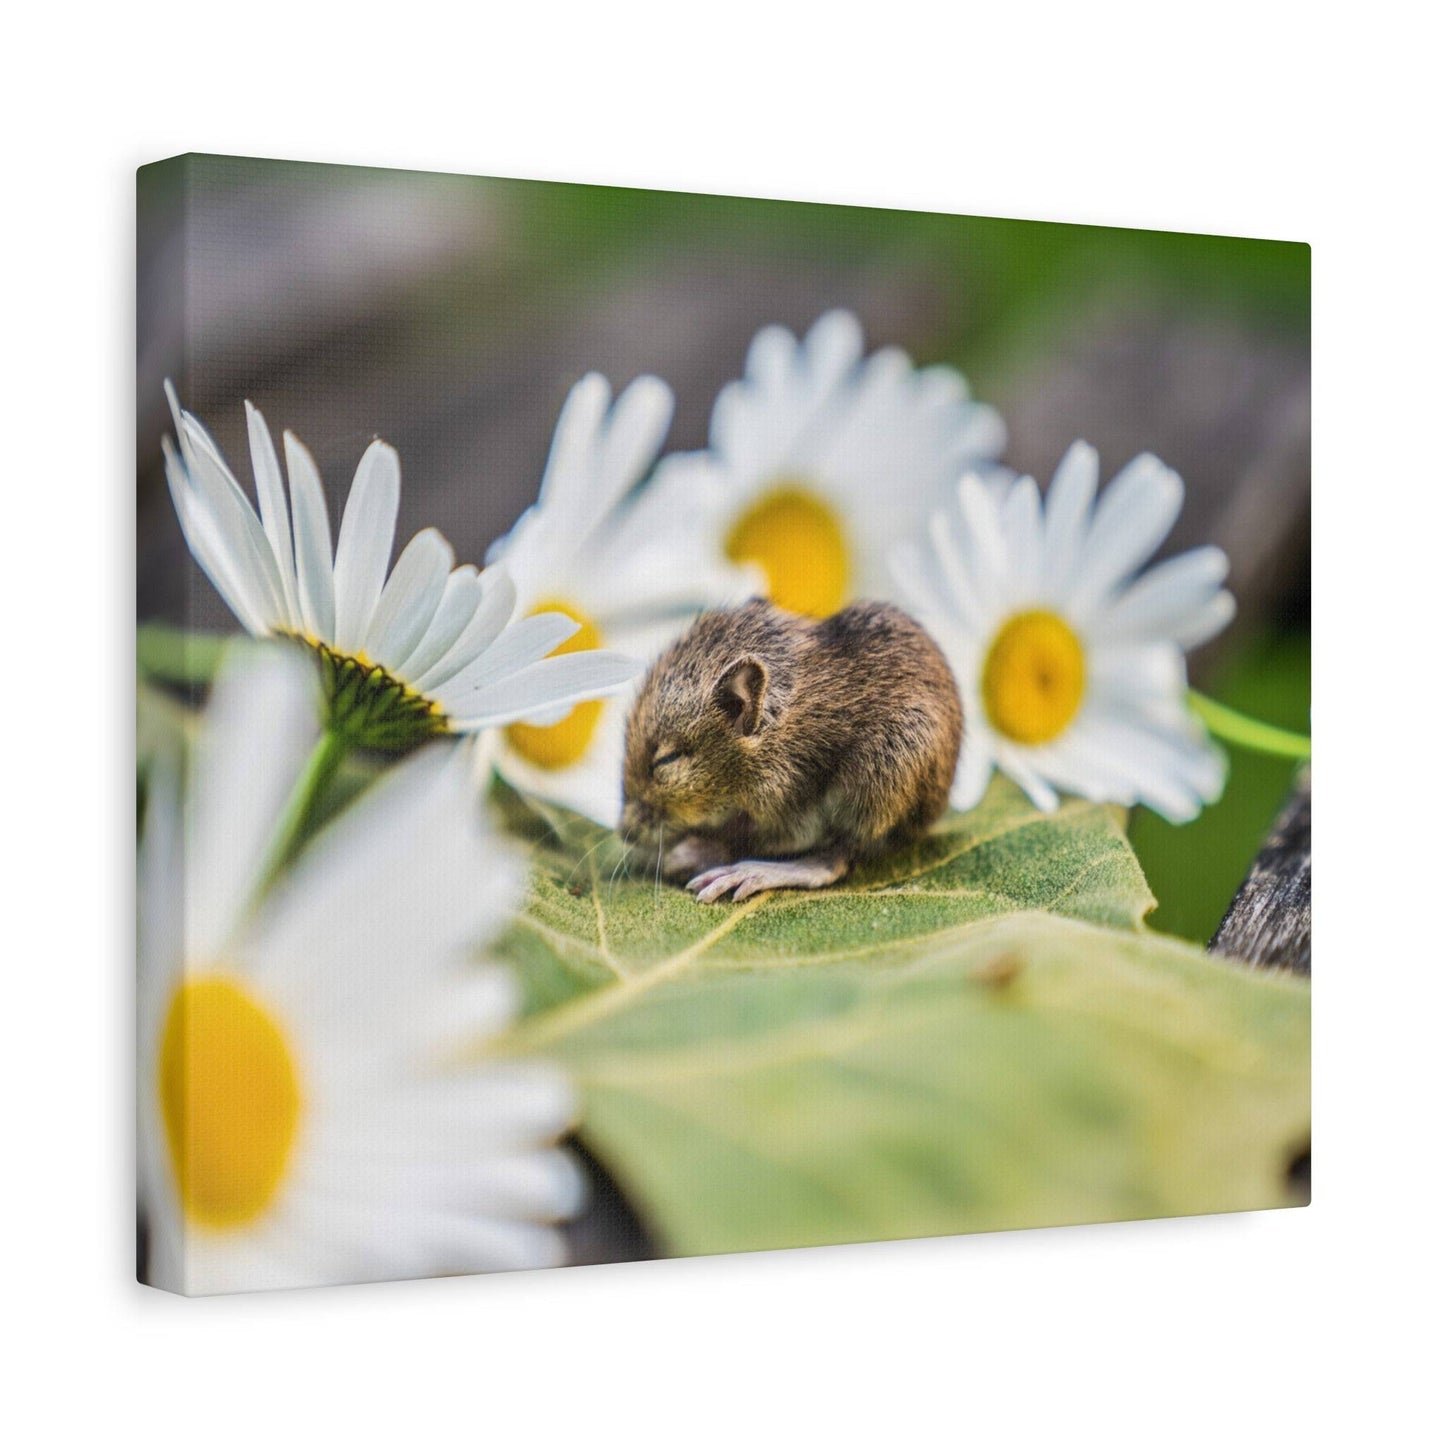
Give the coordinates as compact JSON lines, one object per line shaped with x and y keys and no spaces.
{"x":429,"y":649}
{"x":304,"y":1116}
{"x":1069,"y":658}
{"x":619,"y":562}
{"x":820,"y":460}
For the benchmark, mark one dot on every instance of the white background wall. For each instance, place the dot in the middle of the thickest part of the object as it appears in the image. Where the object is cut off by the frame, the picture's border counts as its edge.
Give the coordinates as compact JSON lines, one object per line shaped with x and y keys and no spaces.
{"x":1247,"y":118}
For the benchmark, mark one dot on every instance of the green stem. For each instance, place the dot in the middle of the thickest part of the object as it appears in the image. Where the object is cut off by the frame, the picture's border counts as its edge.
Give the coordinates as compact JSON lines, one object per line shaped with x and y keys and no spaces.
{"x":1246,"y":732}
{"x":321,"y":767}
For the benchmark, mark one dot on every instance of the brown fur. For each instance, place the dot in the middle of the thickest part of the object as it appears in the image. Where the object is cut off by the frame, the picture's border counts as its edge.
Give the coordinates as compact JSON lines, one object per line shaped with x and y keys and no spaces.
{"x":796,"y":737}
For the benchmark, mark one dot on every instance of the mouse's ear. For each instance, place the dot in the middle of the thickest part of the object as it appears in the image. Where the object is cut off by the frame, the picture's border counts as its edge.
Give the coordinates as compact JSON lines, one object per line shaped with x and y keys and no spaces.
{"x":739,"y":693}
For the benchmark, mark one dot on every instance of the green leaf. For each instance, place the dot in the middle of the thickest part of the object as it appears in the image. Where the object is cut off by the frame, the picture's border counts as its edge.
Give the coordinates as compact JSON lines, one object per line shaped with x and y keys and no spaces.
{"x":172,"y":655}
{"x":588,"y":923}
{"x":978,"y":1034}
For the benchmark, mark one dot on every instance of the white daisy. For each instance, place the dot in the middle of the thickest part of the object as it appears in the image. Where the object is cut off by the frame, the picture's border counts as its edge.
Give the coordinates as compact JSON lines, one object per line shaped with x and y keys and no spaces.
{"x":303,"y":1114}
{"x":1070,"y":660}
{"x":820,"y":461}
{"x":616,"y":560}
{"x":429,"y":649}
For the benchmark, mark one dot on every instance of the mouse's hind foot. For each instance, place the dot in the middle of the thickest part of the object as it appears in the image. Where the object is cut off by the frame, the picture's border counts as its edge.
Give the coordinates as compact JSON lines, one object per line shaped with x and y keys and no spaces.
{"x":758,"y":875}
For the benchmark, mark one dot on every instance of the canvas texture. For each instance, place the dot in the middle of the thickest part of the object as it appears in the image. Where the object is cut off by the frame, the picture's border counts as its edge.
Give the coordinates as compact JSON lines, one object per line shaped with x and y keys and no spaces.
{"x":672,"y":724}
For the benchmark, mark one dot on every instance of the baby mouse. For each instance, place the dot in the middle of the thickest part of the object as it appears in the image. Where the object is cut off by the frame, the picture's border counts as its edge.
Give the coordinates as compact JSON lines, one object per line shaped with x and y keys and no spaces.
{"x":767,"y":750}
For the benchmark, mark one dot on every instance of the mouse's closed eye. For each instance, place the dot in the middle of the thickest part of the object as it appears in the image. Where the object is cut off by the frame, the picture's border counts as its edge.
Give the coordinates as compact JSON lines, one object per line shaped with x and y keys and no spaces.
{"x":666,"y":755}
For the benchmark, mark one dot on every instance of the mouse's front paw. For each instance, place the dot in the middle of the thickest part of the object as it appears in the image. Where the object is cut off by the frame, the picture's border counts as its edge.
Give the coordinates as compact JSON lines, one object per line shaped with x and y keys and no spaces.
{"x":691,"y":855}
{"x":758,"y":875}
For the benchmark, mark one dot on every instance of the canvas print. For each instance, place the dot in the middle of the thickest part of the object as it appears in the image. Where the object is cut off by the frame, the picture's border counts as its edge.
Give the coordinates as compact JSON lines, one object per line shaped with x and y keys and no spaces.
{"x":671,"y":724}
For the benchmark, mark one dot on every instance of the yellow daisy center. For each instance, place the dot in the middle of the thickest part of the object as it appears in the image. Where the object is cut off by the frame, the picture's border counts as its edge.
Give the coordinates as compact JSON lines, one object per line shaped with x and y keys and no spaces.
{"x":1033,"y":677}
{"x":230,"y":1099}
{"x":799,"y":542}
{"x":565,"y":742}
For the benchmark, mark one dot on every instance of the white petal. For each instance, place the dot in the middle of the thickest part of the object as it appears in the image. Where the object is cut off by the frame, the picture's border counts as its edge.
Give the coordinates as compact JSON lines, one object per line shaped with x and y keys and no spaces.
{"x":471,"y":1005}
{"x":599,"y":454}
{"x":592,"y":785}
{"x":410,"y":873}
{"x":987,"y":555}
{"x":1066,"y":512}
{"x":637,"y":426}
{"x":975,"y":768}
{"x":364,"y":546}
{"x":212,"y":481}
{"x":1137,"y":670}
{"x":954,"y":574}
{"x":275,"y":514}
{"x":772,"y":359}
{"x":1167,"y":596}
{"x":493,"y":611}
{"x":519,"y":645}
{"x":833,"y":346}
{"x":160,"y":897}
{"x":1208,"y":621}
{"x":262,"y":722}
{"x":573,"y":677}
{"x":459,"y":601}
{"x":504,"y":1106}
{"x":526,"y":641}
{"x":540,"y":1186}
{"x":237,"y":529}
{"x":409,"y":600}
{"x":1022,"y":519}
{"x":1172,"y":771}
{"x":482,"y":1244}
{"x":1077,"y":766}
{"x":627,"y":448}
{"x":914,"y":580}
{"x":574,"y":441}
{"x":314,"y":586}
{"x":212,"y":549}
{"x":1015,"y":761}
{"x":1134,"y":515}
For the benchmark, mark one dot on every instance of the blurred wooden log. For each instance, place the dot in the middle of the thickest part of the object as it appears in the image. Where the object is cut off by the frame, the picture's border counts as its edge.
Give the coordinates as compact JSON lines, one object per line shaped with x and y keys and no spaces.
{"x":250,"y":276}
{"x":474,"y":435}
{"x":250,"y":263}
{"x":1268,"y":924}
{"x":608,"y":1230}
{"x":434,"y":311}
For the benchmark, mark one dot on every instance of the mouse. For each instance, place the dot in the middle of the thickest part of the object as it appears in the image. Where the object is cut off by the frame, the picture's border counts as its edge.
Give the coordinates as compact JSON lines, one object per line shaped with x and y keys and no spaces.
{"x":769,"y":750}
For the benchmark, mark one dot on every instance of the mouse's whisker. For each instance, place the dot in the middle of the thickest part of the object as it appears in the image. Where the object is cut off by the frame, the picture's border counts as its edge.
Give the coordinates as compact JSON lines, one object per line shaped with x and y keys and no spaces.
{"x":623,"y":860}
{"x":583,"y":859}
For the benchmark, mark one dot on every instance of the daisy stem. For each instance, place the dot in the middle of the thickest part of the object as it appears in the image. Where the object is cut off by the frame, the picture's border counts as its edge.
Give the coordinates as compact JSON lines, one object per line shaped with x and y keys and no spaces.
{"x":321,"y":767}
{"x":1246,"y":732}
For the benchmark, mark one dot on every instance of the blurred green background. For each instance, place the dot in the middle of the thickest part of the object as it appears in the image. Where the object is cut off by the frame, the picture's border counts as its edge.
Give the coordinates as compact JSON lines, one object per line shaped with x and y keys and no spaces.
{"x":450,"y":315}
